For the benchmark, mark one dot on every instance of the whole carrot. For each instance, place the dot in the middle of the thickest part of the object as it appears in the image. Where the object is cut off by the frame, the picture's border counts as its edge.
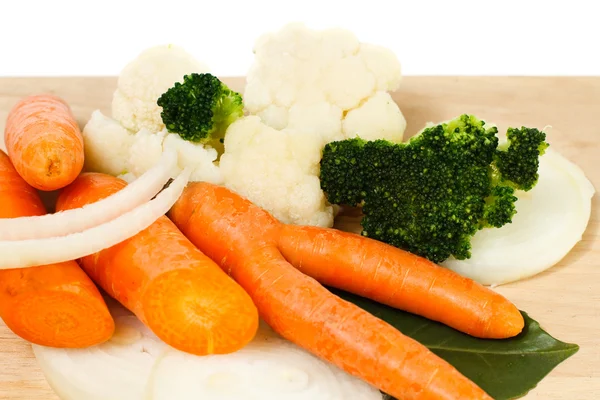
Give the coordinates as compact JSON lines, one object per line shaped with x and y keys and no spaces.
{"x":54,"y":305}
{"x":243,"y":239}
{"x":159,"y":275}
{"x":44,"y":142}
{"x":399,"y":279}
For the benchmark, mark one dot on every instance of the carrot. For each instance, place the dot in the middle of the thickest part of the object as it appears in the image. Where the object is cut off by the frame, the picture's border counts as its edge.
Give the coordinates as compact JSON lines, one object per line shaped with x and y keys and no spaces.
{"x":54,"y":305}
{"x":44,"y":142}
{"x":242,"y":238}
{"x":399,"y":279}
{"x":159,"y":275}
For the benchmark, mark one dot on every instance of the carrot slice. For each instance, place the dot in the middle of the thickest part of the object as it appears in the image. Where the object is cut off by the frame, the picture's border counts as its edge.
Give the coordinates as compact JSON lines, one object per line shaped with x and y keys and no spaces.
{"x":242,"y":238}
{"x":55,"y":305}
{"x":399,"y":279}
{"x":159,"y":275}
{"x":44,"y":142}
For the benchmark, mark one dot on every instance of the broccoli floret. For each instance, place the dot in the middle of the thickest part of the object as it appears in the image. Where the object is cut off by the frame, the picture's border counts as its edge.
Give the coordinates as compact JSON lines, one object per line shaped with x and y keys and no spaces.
{"x":431,"y":194}
{"x":518,"y":160}
{"x":200,"y":109}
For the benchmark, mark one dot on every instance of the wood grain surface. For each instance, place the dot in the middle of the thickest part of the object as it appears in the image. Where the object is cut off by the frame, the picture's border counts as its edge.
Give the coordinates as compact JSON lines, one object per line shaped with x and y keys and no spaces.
{"x":564,"y":299}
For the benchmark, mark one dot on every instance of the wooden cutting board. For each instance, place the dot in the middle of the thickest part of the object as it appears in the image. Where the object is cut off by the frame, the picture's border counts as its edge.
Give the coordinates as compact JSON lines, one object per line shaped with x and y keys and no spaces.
{"x":565,"y":299}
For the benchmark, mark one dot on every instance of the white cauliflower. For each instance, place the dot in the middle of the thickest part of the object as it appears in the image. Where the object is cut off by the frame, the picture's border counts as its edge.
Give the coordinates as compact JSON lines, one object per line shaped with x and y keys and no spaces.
{"x":313,"y":81}
{"x":308,"y":88}
{"x":112,"y":149}
{"x":145,"y":151}
{"x":106,"y":145}
{"x":381,"y":108}
{"x":277,"y":170}
{"x":148,"y":147}
{"x":144,"y":80}
{"x":201,"y":158}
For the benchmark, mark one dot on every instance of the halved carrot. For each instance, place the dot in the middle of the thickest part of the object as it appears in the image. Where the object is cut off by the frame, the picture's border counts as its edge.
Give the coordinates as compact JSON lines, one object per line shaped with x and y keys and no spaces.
{"x":399,"y":279}
{"x":159,"y":275}
{"x":44,"y":142}
{"x":242,"y":238}
{"x":54,"y":305}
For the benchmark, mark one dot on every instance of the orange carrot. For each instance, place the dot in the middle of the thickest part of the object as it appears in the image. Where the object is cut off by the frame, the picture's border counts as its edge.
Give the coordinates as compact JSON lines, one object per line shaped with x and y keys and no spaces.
{"x":242,"y":238}
{"x":159,"y":275}
{"x":54,"y":305}
{"x":44,"y":142}
{"x":399,"y":279}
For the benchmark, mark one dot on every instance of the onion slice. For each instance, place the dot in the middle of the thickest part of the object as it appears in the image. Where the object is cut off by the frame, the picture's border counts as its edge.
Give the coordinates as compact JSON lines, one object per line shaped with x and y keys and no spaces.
{"x":551,"y":219}
{"x":117,"y":370}
{"x":34,"y":252}
{"x":62,"y":223}
{"x":269,"y":368}
{"x":135,"y":365}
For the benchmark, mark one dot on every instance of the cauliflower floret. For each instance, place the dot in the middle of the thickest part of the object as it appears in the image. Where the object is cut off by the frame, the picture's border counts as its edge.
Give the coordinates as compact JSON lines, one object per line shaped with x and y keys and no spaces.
{"x":347,"y":82}
{"x":378,"y":118}
{"x":276,"y":170}
{"x":200,"y":158}
{"x":106,"y":144}
{"x":148,"y":147}
{"x":297,"y":70}
{"x":144,"y":80}
{"x":320,"y":118}
{"x":113,"y":150}
{"x":145,"y":151}
{"x":384,"y":66}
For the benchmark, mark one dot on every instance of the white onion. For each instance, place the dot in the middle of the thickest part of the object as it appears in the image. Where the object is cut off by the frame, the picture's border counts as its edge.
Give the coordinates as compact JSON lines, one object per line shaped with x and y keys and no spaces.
{"x":136,"y":365}
{"x":33,"y":252}
{"x":551,"y":219}
{"x":270,"y":368}
{"x":62,"y":223}
{"x":116,"y":370}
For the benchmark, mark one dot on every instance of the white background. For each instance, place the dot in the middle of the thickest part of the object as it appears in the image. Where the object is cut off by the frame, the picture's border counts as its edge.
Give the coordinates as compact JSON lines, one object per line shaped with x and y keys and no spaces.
{"x":430,"y":37}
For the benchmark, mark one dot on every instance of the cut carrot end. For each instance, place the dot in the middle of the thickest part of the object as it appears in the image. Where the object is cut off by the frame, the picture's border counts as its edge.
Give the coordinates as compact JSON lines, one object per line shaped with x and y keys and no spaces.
{"x":200,"y":314}
{"x":60,"y":319}
{"x":52,"y":169}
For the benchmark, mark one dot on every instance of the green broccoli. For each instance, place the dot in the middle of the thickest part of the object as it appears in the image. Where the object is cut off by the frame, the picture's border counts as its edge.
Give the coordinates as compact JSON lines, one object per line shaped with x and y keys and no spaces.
{"x":431,"y":194}
{"x":201,"y":108}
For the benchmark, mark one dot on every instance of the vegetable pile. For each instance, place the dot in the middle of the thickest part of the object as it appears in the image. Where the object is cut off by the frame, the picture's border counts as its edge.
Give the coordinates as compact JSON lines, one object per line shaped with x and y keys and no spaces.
{"x":192,"y":251}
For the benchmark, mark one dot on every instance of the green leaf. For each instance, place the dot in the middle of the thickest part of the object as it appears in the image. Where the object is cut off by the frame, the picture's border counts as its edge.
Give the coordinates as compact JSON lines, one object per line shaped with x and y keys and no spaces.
{"x":505,"y":369}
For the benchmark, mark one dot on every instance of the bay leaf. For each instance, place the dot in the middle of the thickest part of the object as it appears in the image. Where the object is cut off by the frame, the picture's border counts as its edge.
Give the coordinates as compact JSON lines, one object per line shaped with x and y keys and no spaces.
{"x":506,"y":369}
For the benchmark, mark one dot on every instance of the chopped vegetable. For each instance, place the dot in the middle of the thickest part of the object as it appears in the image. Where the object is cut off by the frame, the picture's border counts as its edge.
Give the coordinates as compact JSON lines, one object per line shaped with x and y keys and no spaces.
{"x":178,"y":292}
{"x":136,"y":365}
{"x":269,"y":368}
{"x":551,"y":219}
{"x":52,"y":305}
{"x":400,"y":279}
{"x":33,"y":252}
{"x":277,"y":170}
{"x":113,"y":150}
{"x":144,"y":79}
{"x":325,"y":82}
{"x":106,"y":144}
{"x":44,"y":142}
{"x":62,"y":223}
{"x":242,"y":238}
{"x":200,"y":109}
{"x":432,"y":194}
{"x":119,"y":369}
